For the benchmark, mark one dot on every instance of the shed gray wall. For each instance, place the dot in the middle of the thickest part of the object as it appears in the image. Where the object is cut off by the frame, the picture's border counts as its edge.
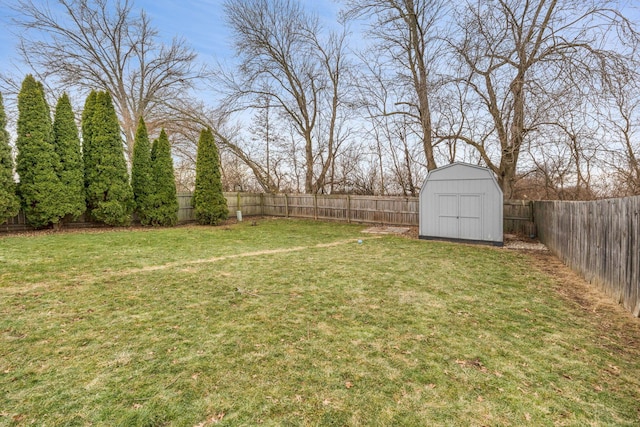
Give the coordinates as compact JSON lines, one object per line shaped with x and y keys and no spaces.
{"x":461,"y":202}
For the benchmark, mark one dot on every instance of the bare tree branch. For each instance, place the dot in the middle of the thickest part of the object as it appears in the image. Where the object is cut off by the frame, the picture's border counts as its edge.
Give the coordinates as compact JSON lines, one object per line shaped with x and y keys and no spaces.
{"x":101,"y":44}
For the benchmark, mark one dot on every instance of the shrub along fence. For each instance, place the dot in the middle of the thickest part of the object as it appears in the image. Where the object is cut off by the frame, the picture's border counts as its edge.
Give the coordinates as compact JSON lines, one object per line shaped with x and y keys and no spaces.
{"x":600,"y":240}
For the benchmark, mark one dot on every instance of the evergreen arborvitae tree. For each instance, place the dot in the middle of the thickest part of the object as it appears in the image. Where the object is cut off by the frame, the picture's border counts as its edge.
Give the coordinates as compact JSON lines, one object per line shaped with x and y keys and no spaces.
{"x":109,"y":195}
{"x":88,"y":152}
{"x":9,"y":202}
{"x":142,"y":175}
{"x":48,"y":110}
{"x":87,"y":133}
{"x":67,"y":146}
{"x":154,"y":150}
{"x":37,"y":162}
{"x":165,"y":211}
{"x":209,"y":203}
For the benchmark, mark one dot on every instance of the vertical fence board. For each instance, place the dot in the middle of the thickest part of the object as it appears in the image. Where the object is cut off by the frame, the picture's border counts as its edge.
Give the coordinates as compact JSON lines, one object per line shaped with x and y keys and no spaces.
{"x":185,"y":210}
{"x":600,"y":240}
{"x":518,"y":217}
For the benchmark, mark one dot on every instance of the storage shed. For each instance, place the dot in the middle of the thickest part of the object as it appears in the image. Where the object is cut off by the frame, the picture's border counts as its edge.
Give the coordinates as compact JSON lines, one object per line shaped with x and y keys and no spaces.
{"x":461,"y":202}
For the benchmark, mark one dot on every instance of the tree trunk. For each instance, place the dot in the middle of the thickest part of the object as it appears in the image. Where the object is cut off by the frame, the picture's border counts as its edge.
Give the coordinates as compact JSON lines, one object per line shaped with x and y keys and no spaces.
{"x":308,"y":176}
{"x":419,"y":71}
{"x":506,"y":178}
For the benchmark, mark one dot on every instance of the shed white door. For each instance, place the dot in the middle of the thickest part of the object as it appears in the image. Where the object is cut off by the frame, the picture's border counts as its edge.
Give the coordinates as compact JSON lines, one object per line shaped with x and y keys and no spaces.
{"x":460,"y":216}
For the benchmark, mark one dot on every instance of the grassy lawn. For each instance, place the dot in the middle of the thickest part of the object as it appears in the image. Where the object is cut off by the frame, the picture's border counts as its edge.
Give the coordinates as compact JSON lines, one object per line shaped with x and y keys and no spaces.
{"x":296,"y":323}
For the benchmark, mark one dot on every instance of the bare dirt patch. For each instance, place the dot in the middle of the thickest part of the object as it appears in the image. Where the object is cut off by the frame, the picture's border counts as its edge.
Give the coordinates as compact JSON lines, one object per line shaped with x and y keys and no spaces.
{"x":402,"y":231}
{"x":186,"y":264}
{"x":103,"y":229}
{"x":520,"y":243}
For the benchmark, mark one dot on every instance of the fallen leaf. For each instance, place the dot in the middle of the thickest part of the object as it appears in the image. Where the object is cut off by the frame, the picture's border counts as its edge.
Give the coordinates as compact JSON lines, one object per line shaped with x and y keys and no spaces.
{"x":430,"y":386}
{"x":480,"y":399}
{"x":137,"y":406}
{"x":527,"y":416}
{"x":348,"y":384}
{"x":326,"y":402}
{"x":475,"y":363}
{"x":214,"y":419}
{"x":614,"y":370}
{"x":217,"y":418}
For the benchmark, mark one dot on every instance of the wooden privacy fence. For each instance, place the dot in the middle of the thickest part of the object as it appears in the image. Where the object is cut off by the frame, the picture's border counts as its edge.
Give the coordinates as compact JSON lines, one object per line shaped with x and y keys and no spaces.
{"x":518,"y":218}
{"x":389,"y":210}
{"x":365,"y":209}
{"x":19,"y":223}
{"x":598,"y":239}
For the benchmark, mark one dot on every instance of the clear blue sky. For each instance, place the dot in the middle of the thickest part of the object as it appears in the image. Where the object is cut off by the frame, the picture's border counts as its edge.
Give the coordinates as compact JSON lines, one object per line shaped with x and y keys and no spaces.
{"x":200,"y":22}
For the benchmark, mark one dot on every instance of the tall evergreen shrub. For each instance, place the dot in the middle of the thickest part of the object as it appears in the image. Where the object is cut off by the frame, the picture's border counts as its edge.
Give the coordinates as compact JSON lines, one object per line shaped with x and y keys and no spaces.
{"x":37,"y":163}
{"x":88,"y":152}
{"x":210,"y":205}
{"x":71,"y":170}
{"x":109,"y":195}
{"x":166,"y":207}
{"x":9,"y":202}
{"x":142,"y":174}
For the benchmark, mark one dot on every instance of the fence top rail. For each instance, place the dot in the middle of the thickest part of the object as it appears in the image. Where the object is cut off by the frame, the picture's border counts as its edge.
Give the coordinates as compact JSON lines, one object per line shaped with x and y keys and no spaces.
{"x":608,"y":200}
{"x":517,"y":202}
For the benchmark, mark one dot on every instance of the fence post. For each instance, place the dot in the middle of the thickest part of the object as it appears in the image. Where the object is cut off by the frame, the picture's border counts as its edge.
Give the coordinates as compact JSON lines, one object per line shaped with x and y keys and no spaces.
{"x":262,"y":204}
{"x":286,"y":205}
{"x":315,"y":205}
{"x":348,"y":208}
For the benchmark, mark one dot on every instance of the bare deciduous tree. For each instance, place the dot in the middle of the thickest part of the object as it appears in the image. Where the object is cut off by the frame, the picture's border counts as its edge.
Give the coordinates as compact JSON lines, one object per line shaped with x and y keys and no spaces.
{"x":283,"y":57}
{"x":101,"y":44}
{"x":623,"y":120}
{"x":515,"y":58}
{"x":409,"y":34}
{"x":188,"y":118}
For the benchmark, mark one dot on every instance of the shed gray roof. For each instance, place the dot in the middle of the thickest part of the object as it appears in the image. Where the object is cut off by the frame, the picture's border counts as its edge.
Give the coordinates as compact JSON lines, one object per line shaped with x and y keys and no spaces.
{"x":459,"y":170}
